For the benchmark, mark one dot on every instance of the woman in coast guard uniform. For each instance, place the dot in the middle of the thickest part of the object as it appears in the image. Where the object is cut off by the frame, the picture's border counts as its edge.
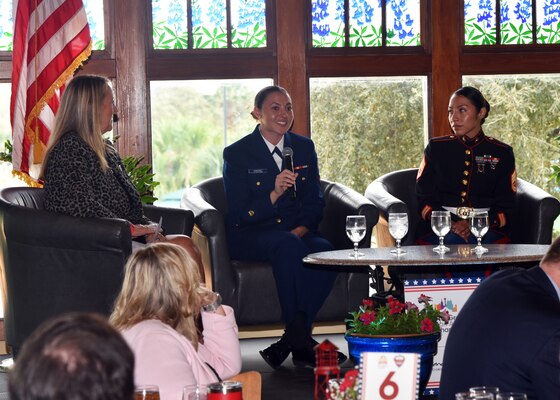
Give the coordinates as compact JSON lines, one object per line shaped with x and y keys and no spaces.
{"x":267,"y":222}
{"x":465,"y":171}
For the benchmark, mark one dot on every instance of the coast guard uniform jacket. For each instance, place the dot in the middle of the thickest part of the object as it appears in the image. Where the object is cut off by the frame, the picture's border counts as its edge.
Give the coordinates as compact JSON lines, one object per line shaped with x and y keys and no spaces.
{"x":261,"y":231}
{"x":249,"y":175}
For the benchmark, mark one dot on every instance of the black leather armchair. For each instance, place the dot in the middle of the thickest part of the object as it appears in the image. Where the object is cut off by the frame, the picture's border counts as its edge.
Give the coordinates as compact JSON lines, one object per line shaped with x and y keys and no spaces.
{"x":54,"y":263}
{"x":536,"y":210}
{"x":249,"y":286}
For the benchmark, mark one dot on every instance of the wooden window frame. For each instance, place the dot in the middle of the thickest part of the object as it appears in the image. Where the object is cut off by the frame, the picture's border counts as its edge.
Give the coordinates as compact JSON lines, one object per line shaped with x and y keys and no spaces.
{"x":131,"y":62}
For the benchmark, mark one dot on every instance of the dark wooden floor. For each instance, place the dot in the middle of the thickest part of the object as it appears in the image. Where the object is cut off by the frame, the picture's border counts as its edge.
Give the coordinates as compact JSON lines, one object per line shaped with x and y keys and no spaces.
{"x":288,"y":382}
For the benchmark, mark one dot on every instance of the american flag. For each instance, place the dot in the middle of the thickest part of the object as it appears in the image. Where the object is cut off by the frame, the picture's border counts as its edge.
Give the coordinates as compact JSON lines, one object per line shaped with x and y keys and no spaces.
{"x":51,"y":40}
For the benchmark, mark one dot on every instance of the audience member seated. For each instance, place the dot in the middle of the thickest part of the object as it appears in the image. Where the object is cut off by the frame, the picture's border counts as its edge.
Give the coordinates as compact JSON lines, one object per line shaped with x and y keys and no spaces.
{"x":75,"y":356}
{"x":156,"y":311}
{"x":508,"y":334}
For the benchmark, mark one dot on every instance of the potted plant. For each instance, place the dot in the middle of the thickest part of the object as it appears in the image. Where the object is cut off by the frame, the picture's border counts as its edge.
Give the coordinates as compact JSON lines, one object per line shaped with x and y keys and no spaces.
{"x":397,"y":327}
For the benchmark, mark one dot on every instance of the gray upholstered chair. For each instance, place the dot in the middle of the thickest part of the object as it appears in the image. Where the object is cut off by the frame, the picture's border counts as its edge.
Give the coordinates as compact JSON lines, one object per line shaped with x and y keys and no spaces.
{"x":249,"y":286}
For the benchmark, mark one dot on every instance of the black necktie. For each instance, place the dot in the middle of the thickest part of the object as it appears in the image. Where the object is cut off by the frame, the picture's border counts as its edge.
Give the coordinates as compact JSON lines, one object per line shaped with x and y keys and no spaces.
{"x":277,"y":151}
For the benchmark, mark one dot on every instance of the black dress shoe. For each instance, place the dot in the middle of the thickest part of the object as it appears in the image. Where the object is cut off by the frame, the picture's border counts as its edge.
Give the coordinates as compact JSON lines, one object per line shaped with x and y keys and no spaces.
{"x":276,"y":353}
{"x":306,"y":357}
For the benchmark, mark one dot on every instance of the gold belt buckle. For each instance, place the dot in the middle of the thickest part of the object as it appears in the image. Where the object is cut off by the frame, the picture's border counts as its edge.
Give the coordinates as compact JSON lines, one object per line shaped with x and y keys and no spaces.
{"x":465,"y":212}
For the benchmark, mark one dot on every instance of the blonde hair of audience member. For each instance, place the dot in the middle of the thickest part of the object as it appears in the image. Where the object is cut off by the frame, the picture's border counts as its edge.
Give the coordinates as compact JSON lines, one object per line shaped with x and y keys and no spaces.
{"x":80,"y":111}
{"x":162,"y":281}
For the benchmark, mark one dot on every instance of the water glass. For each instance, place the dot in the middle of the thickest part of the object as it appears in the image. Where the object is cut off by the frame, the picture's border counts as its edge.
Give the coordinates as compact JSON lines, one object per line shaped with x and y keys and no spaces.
{"x":491,"y":391}
{"x":471,"y":396}
{"x":398,"y":228}
{"x":146,"y":392}
{"x":441,"y":225}
{"x":356,"y":231}
{"x":195,"y":392}
{"x":479,"y":227}
{"x":511,"y":396}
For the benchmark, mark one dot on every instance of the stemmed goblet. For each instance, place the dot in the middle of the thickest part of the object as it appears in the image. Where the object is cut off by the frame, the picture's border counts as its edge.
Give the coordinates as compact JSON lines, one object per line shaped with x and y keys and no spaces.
{"x":356,"y":231}
{"x":441,"y":225}
{"x":398,"y":228}
{"x":479,"y":227}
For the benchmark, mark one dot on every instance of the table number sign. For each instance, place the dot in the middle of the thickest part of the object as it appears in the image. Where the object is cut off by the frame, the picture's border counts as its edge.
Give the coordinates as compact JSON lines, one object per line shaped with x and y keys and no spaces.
{"x":389,"y":376}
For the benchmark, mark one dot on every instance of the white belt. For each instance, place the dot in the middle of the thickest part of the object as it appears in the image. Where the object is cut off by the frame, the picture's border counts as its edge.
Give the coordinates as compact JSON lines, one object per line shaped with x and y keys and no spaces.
{"x":464,"y":212}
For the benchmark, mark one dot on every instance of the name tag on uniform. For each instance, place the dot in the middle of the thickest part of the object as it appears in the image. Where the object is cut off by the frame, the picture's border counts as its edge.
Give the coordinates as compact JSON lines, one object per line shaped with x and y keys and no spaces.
{"x":258,"y":171}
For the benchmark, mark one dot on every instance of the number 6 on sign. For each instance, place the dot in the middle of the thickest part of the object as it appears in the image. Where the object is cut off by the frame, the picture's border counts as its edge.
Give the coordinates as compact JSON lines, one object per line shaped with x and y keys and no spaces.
{"x":389,"y":376}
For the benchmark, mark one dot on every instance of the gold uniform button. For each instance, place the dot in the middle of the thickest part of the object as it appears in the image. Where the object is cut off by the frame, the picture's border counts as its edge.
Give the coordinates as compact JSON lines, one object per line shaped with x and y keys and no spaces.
{"x":258,"y":183}
{"x":303,"y":178}
{"x":466,"y":173}
{"x":251,"y":213}
{"x":463,"y":194}
{"x":463,"y":200}
{"x":465,"y":182}
{"x":468,"y":152}
{"x":467,"y":163}
{"x":279,"y":220}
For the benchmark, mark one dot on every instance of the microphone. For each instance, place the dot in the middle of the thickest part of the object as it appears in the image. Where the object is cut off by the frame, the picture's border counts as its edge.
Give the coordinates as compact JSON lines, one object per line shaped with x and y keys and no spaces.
{"x":288,"y":155}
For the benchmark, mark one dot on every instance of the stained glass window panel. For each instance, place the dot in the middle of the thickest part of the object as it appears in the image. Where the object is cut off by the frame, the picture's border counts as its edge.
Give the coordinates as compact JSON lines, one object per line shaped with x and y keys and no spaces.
{"x":328,"y":23}
{"x":403,"y":23}
{"x":248,"y":20}
{"x":169,"y":22}
{"x":365,"y":23}
{"x":96,"y":21}
{"x":94,"y":10}
{"x":516,"y":24}
{"x":548,"y":21}
{"x":6,"y":25}
{"x":209,"y":22}
{"x":480,"y":22}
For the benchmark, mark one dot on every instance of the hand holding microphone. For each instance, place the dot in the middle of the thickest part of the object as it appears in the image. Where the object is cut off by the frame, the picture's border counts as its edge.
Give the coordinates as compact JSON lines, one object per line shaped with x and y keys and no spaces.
{"x":288,"y":155}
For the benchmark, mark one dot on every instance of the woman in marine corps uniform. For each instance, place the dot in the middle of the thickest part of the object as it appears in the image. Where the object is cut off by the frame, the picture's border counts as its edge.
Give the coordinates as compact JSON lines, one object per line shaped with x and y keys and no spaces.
{"x":466,"y":172}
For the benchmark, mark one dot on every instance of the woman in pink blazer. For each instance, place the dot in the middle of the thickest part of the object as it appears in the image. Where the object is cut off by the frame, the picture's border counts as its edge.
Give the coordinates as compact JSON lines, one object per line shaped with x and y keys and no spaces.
{"x":156,"y":311}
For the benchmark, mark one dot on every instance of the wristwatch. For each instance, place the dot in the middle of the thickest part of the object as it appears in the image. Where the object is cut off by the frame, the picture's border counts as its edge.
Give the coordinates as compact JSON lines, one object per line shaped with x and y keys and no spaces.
{"x":213,"y":306}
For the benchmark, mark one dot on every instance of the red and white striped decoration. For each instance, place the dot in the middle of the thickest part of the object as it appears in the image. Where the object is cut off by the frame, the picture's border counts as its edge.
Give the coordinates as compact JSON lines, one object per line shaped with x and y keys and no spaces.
{"x":51,"y":40}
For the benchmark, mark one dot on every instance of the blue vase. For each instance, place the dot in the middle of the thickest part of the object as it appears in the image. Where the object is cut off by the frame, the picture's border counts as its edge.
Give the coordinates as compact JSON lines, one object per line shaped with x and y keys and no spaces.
{"x":424,"y":344}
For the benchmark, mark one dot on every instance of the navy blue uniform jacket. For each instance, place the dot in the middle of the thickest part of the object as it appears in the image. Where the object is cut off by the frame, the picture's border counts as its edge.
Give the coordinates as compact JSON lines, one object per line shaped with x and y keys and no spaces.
{"x":507,"y":335}
{"x":249,"y":175}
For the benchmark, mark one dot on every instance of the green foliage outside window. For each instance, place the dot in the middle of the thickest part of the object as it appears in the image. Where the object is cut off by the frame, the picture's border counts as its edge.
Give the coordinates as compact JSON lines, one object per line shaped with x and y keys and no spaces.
{"x":364,"y":129}
{"x":524,"y":113}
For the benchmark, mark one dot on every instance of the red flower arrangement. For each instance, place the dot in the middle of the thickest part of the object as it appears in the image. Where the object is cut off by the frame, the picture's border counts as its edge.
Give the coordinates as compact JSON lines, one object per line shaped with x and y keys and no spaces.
{"x":344,"y":389}
{"x":396,"y":318}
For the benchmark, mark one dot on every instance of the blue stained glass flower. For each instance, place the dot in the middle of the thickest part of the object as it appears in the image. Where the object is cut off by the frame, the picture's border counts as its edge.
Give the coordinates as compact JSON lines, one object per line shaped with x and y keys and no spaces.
{"x":504,"y":13}
{"x":467,"y":6}
{"x":251,"y":12}
{"x":319,"y":10}
{"x":485,"y":5}
{"x":551,"y":11}
{"x":175,"y":13}
{"x":523,"y":10}
{"x":216,"y":12}
{"x":322,"y":30}
{"x":485,"y":16}
{"x":319,"y":14}
{"x":363,"y":12}
{"x":409,"y":20}
{"x":339,"y":12}
{"x":196,"y":15}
